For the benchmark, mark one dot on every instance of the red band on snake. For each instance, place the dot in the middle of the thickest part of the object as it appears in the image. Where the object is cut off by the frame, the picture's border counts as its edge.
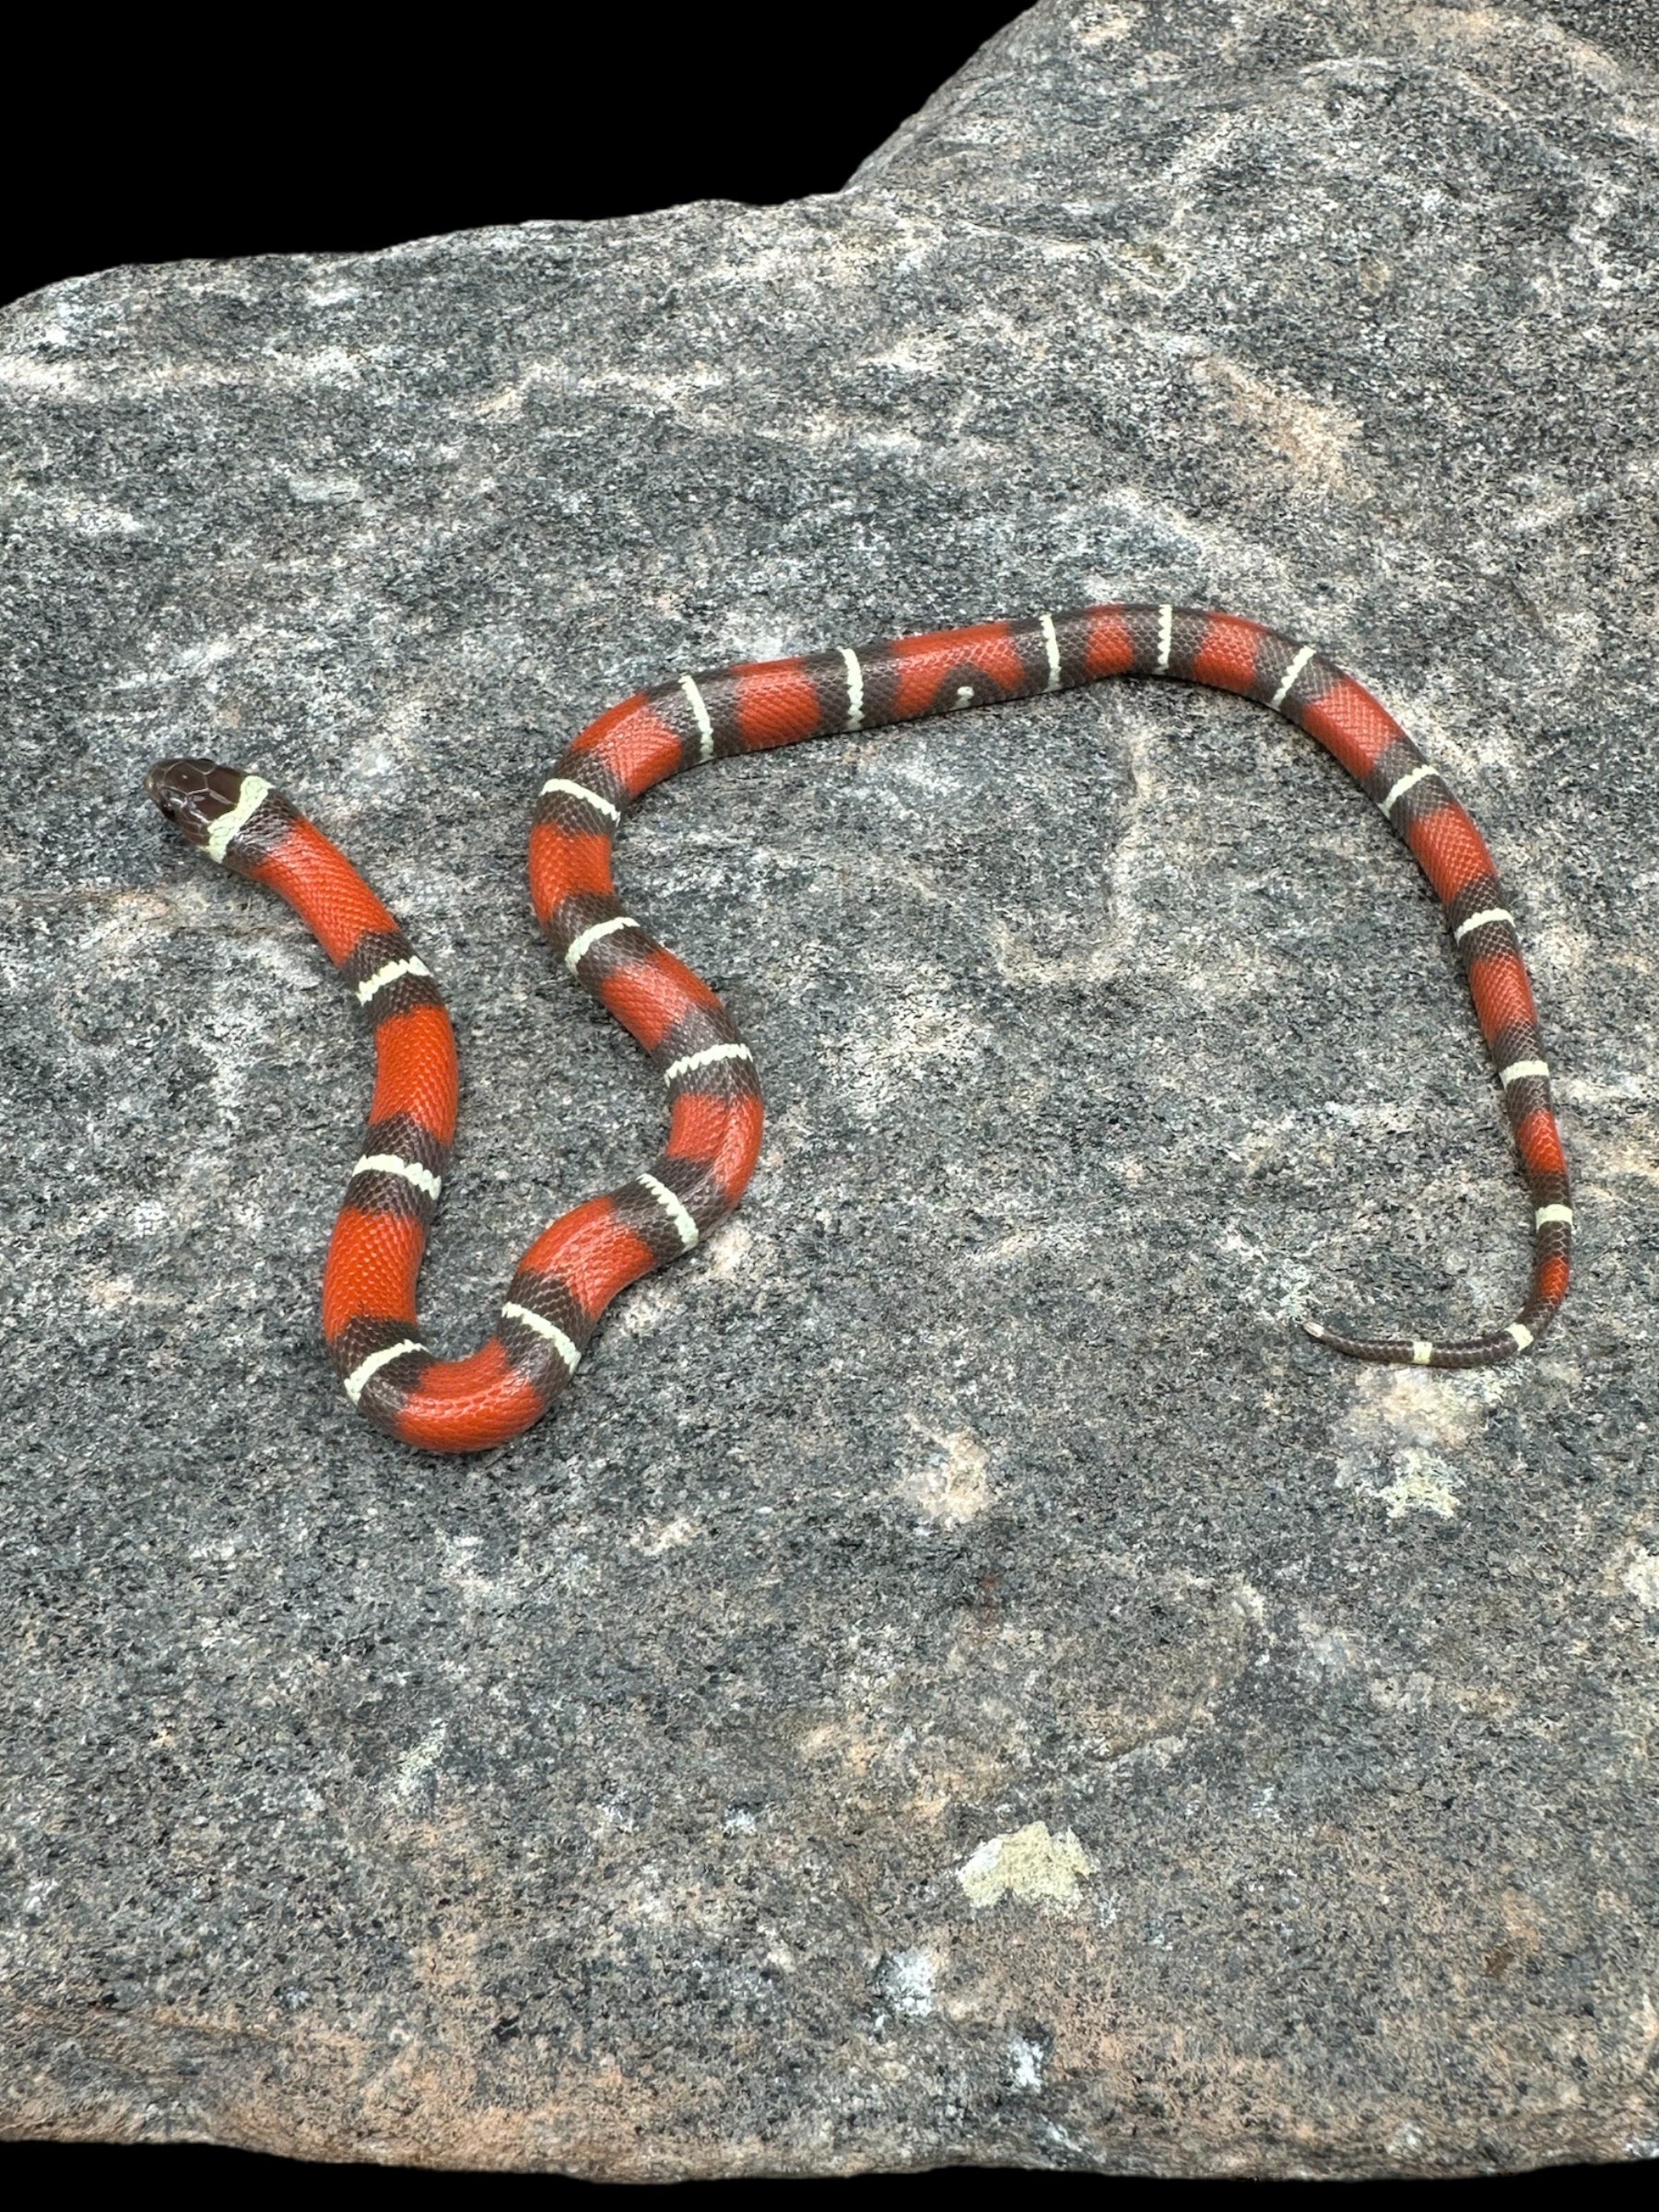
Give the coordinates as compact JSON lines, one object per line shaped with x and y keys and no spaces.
{"x":574,"y":1269}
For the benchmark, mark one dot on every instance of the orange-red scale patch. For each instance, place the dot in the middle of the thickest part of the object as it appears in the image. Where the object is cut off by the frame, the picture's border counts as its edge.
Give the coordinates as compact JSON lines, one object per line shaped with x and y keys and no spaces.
{"x":594,"y":739}
{"x":324,"y":891}
{"x":468,"y":1404}
{"x":1450,"y":850}
{"x":1552,"y":1281}
{"x":1502,"y":993}
{"x":641,"y":751}
{"x":1354,"y":728}
{"x":1110,"y":647}
{"x":777,"y":704}
{"x":1539,"y":1142}
{"x":648,"y":996}
{"x":1227,"y":658}
{"x":416,"y":1071}
{"x":565,"y":861}
{"x":372,"y":1265}
{"x":721,"y":1135}
{"x":922,"y":664}
{"x":592,"y":1253}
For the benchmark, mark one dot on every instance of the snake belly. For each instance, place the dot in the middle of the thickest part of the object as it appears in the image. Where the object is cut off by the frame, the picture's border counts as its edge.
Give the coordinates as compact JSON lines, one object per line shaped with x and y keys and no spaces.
{"x":575,"y":1267}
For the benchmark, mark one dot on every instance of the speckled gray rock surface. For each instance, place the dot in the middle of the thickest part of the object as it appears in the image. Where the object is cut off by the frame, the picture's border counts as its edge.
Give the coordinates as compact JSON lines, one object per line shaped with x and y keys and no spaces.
{"x":960,"y":1675}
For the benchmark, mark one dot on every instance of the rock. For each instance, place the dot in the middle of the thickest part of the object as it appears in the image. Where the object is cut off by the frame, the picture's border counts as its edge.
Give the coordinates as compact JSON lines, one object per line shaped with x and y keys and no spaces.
{"x":972,"y":1501}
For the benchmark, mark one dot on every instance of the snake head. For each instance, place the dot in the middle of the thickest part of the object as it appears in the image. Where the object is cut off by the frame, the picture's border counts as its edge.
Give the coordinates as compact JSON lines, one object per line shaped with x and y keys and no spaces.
{"x":193,"y":794}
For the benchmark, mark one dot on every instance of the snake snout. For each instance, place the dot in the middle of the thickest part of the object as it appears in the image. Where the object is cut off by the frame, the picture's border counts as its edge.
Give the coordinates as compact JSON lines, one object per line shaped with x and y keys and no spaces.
{"x":194,"y":793}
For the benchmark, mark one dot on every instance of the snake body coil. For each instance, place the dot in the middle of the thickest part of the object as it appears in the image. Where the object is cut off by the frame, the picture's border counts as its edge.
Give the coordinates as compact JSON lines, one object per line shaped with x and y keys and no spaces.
{"x":574,"y":1269}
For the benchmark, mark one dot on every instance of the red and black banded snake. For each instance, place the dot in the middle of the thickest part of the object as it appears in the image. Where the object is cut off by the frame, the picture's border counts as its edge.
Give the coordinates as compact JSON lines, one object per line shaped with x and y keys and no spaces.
{"x":573,"y":1270}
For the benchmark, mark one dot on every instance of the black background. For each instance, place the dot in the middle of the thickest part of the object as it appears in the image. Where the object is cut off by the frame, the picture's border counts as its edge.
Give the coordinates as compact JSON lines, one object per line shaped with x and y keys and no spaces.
{"x":122,"y":145}
{"x":151,"y":142}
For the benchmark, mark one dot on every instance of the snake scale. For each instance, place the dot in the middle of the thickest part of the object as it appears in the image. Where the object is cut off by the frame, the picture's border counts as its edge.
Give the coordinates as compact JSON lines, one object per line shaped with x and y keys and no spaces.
{"x":574,"y":1268}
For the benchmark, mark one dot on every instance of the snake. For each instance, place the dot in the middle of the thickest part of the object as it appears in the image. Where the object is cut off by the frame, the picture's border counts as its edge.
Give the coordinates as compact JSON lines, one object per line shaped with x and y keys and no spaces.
{"x":573,"y":1270}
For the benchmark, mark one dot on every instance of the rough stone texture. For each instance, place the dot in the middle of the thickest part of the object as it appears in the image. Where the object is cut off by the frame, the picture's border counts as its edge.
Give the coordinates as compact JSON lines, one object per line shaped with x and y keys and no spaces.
{"x":961,"y":1677}
{"x":1629,"y":28}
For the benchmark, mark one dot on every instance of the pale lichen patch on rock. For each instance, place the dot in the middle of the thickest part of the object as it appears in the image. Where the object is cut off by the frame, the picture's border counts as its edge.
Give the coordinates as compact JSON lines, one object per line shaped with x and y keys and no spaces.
{"x":417,"y":1765}
{"x":1640,"y":1579}
{"x":1408,"y":1432}
{"x":1029,"y":1866}
{"x":907,"y":1979}
{"x":952,"y":1485}
{"x":1422,"y":1485}
{"x":654,"y":1537}
{"x":1301,"y":440}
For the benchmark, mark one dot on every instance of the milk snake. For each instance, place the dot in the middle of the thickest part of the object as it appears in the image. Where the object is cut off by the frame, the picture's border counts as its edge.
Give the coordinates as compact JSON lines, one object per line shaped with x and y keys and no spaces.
{"x":574,"y":1269}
